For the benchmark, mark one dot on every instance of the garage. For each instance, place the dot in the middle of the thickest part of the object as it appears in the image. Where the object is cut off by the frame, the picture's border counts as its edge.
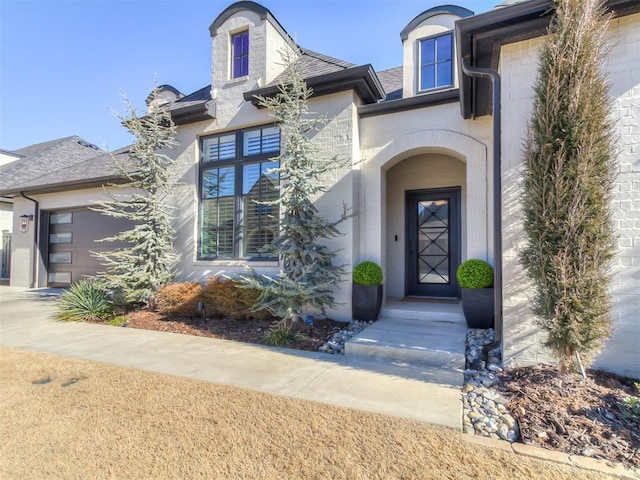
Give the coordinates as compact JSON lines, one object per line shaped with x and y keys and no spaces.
{"x":72,"y":236}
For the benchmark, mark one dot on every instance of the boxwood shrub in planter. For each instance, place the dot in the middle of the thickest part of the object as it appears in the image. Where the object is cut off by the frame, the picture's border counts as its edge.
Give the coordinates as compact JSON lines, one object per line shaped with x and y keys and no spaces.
{"x":366,"y":291}
{"x":476,"y":279}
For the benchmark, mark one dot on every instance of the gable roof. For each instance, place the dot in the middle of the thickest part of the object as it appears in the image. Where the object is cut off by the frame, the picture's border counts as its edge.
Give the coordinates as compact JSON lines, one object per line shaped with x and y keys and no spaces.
{"x":313,"y":64}
{"x":42,"y":158}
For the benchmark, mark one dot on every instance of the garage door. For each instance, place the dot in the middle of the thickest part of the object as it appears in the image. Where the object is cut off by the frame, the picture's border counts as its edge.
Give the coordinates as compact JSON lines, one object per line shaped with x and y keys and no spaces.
{"x":72,"y":236}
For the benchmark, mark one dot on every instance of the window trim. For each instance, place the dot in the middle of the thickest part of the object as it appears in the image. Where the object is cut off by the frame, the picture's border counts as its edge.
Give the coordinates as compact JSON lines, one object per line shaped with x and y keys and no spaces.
{"x":238,"y":162}
{"x":419,"y":64}
{"x":233,"y":56}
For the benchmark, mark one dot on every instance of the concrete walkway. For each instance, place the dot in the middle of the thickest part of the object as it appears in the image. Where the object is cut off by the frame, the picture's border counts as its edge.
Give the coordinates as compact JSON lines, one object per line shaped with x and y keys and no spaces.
{"x":412,"y":391}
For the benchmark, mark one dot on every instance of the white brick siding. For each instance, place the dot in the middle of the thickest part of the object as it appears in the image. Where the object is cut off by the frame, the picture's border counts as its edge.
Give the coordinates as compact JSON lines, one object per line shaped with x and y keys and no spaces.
{"x":523,"y":339}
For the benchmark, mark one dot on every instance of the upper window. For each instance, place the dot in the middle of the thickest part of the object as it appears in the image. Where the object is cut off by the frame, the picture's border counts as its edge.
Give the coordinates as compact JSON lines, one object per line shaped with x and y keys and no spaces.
{"x":240,"y":54}
{"x":436,"y":62}
{"x":237,"y":187}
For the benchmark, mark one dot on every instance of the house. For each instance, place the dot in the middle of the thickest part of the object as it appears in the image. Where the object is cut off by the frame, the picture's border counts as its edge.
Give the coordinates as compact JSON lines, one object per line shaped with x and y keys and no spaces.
{"x":435,"y":149}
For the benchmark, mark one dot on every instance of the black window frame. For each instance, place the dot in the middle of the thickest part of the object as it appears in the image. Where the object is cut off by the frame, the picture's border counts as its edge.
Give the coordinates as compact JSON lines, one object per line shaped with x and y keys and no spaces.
{"x":436,"y":62}
{"x":238,"y":162}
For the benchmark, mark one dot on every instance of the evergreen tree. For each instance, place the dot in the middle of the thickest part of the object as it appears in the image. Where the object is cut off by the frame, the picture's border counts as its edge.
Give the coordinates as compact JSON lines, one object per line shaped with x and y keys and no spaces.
{"x":568,"y":180}
{"x":145,"y":261}
{"x":308,"y":277}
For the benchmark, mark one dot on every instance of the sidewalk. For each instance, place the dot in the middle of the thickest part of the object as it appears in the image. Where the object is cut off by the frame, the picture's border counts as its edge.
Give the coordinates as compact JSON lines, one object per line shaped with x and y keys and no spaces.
{"x":420,"y":393}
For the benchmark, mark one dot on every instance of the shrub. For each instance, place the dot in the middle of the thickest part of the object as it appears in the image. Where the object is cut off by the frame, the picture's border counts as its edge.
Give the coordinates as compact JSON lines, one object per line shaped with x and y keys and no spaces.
{"x":280,"y":335}
{"x":179,"y":299}
{"x":117,"y":321}
{"x":475,"y":274}
{"x":367,"y":273}
{"x":570,"y":166}
{"x":85,"y":301}
{"x":226,"y":297}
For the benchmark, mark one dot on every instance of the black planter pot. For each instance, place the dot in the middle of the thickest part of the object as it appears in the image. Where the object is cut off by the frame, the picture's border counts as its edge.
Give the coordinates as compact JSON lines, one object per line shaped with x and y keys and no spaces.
{"x":478,"y":307}
{"x":366,"y":302}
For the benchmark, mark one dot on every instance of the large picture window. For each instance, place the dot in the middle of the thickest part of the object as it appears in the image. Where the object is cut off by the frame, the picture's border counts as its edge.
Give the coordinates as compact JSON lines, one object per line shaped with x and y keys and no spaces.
{"x":436,"y":62}
{"x":236,"y":179}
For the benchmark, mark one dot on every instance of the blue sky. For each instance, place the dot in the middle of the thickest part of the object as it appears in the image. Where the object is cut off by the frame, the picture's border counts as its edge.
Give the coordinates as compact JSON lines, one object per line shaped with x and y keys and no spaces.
{"x":64,"y":64}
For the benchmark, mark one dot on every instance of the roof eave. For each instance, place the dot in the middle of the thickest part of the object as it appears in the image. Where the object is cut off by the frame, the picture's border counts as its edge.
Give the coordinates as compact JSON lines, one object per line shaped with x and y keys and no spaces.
{"x":190,"y":114}
{"x":63,"y":186}
{"x":410,"y":103}
{"x":362,"y":79}
{"x":479,"y":39}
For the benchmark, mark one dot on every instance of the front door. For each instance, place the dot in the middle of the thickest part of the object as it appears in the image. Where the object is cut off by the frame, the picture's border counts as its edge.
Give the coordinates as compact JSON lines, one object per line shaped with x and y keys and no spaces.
{"x":433,"y":242}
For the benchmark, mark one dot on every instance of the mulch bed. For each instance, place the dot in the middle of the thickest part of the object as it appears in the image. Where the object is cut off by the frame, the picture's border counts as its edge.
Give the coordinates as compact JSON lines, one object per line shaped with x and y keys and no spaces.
{"x":565,"y":412}
{"x":249,"y":331}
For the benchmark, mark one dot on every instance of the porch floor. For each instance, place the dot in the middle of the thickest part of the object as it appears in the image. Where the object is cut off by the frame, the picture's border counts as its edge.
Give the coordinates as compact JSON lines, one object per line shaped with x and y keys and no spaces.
{"x":417,"y":331}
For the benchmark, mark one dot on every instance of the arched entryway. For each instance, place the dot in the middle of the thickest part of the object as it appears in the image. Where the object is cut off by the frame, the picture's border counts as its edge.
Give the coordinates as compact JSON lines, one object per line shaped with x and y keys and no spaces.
{"x":426,"y":197}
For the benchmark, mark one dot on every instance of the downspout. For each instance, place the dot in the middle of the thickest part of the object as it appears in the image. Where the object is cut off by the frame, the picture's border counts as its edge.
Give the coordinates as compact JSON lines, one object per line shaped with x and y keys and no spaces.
{"x":36,"y":222}
{"x":494,"y":77}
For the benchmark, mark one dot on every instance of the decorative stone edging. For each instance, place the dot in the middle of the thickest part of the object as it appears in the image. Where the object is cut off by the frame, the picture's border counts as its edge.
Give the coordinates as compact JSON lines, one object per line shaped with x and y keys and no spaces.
{"x":335,"y":345}
{"x":484,"y":411}
{"x":578,"y":461}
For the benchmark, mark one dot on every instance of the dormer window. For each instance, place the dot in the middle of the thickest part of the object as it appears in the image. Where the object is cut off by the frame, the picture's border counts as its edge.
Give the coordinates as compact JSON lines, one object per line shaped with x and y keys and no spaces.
{"x":436,"y":62}
{"x":240,"y":54}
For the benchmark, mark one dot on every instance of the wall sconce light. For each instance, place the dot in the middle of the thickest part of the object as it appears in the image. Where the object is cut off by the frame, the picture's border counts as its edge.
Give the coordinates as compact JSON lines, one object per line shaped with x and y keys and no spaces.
{"x":24,"y":222}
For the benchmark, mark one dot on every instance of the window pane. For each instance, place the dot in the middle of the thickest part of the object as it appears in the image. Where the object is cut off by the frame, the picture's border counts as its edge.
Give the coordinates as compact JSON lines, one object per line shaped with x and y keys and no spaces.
{"x":65,"y":237}
{"x":245,"y":43}
{"x":251,"y":143}
{"x":270,"y":139}
{"x":227,"y":147}
{"x":219,"y":148}
{"x":427,"y":78}
{"x":60,"y":277}
{"x":427,"y":51}
{"x":261,"y":221}
{"x":444,"y":48}
{"x":444,"y":74}
{"x":240,"y":54}
{"x":217,"y":227}
{"x":250,"y":178}
{"x":58,"y":218}
{"x":237,"y":67}
{"x":60,"y":257}
{"x":264,"y":140}
{"x":226,"y":181}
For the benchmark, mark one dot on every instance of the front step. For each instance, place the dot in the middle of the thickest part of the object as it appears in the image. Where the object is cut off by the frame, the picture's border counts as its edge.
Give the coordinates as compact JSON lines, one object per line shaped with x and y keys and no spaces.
{"x":433,"y":343}
{"x":427,"y":311}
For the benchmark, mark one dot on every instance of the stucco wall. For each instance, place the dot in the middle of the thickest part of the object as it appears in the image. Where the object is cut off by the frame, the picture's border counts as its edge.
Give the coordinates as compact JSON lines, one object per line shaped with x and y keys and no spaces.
{"x":523,"y":339}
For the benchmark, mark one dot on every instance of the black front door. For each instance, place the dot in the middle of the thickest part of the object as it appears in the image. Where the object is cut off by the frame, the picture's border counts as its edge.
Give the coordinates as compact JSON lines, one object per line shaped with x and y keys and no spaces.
{"x":433,"y":242}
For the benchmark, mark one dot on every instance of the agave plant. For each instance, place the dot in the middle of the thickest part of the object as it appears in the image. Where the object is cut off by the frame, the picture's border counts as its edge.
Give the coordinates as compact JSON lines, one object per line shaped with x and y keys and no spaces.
{"x":85,"y":301}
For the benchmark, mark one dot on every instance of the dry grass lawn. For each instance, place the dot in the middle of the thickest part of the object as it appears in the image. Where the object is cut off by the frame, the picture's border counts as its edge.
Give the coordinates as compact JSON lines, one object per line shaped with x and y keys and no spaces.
{"x":93,"y":421}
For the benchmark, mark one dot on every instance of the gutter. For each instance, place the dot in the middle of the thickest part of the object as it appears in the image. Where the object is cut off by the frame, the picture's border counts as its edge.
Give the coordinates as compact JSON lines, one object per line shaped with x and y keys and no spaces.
{"x":494,"y":77}
{"x":36,"y":215}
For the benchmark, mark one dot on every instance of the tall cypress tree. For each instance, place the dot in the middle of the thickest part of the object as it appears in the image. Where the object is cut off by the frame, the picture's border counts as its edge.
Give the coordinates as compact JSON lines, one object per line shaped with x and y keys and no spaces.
{"x":145,"y":261}
{"x":308,"y":276}
{"x":568,"y":181}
